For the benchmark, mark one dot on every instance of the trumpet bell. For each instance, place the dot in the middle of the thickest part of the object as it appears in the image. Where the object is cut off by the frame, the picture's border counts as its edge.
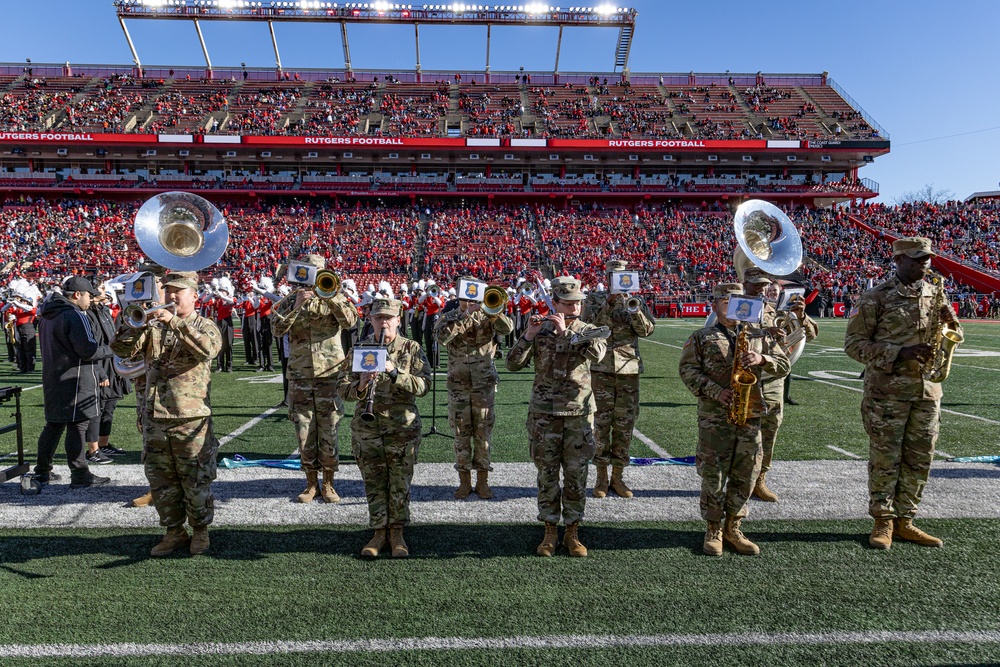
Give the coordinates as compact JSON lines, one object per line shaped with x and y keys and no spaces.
{"x":494,"y":300}
{"x":767,"y":239}
{"x":181,"y":231}
{"x":327,"y":284}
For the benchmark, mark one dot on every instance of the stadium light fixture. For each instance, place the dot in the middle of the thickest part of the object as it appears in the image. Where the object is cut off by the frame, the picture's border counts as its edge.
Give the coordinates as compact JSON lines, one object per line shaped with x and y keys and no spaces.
{"x":605,"y":10}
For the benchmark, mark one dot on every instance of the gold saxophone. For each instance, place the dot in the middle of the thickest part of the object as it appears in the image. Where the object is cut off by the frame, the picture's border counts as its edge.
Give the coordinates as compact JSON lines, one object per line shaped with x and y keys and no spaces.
{"x":741,"y":381}
{"x":944,"y":338}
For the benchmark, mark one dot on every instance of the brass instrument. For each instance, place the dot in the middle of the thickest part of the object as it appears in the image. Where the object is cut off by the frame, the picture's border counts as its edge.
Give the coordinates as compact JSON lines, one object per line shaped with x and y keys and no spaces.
{"x":944,"y":338}
{"x":433,"y":291}
{"x":327,"y":284}
{"x":741,"y":381}
{"x":137,"y":316}
{"x":633,"y":305}
{"x":10,"y":327}
{"x":368,"y":415}
{"x":766,"y":238}
{"x":494,"y":300}
{"x":128,"y":368}
{"x":181,"y":231}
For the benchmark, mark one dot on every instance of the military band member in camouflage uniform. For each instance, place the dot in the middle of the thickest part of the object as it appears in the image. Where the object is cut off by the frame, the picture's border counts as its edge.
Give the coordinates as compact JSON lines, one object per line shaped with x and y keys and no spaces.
{"x":560,"y":413}
{"x":890,"y":333}
{"x":386,"y":447}
{"x":615,"y":380}
{"x":314,"y":328}
{"x":469,"y":335}
{"x":179,"y":444}
{"x":728,"y":456}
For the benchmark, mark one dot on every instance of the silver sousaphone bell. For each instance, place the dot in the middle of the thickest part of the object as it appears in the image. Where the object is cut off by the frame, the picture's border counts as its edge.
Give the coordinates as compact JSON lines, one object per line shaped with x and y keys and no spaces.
{"x":766,"y":239}
{"x":181,"y":231}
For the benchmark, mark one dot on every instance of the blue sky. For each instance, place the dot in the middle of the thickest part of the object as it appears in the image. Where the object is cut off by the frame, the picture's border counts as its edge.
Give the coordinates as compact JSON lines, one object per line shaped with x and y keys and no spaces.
{"x":926,"y":71}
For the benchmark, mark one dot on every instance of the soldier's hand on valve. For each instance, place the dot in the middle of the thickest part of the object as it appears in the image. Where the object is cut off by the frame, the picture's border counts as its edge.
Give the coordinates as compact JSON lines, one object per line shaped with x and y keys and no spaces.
{"x":162,"y":315}
{"x":726,"y":397}
{"x":303,"y":296}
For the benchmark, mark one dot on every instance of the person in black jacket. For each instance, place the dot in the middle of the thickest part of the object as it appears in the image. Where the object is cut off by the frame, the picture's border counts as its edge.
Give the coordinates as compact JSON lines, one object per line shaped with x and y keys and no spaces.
{"x":70,"y":351}
{"x":112,"y":387}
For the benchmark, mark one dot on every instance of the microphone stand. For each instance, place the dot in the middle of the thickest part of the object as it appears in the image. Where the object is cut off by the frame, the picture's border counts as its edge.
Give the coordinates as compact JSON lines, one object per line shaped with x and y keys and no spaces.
{"x":435,"y":354}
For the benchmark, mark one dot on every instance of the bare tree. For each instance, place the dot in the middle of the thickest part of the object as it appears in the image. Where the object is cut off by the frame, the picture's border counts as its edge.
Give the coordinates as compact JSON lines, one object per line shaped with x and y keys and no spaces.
{"x":928,"y":194}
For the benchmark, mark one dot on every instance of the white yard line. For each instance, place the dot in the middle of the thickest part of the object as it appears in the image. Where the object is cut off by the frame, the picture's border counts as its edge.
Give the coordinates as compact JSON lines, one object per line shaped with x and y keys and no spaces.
{"x":224,"y":440}
{"x":644,"y":439}
{"x":844,"y":452}
{"x":498,"y":643}
{"x":982,"y":368}
{"x":37,"y":386}
{"x":859,"y":390}
{"x":656,"y":342}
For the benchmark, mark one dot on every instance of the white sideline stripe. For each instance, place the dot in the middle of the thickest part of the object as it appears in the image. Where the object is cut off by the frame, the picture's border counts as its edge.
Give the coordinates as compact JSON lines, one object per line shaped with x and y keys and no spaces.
{"x":982,"y":368}
{"x":951,"y":412}
{"x":496,"y":643}
{"x":37,"y":386}
{"x":644,"y":439}
{"x":844,"y":452}
{"x":249,"y":425}
{"x":656,"y":342}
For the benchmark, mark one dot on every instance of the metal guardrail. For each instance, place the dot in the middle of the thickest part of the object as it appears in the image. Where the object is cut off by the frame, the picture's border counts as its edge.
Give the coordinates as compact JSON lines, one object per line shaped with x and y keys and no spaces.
{"x":857,"y":107}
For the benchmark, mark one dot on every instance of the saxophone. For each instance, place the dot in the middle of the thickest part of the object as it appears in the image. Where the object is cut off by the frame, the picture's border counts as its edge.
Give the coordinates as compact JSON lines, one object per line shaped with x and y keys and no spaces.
{"x":943,"y":339}
{"x":741,"y":381}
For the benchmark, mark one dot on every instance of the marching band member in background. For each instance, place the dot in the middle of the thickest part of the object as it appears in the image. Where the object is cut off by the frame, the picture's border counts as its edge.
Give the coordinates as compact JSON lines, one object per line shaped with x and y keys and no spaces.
{"x":313,"y":326}
{"x":405,"y":300}
{"x":615,"y":381}
{"x":350,"y":335}
{"x":560,"y":412}
{"x":386,"y":446}
{"x":265,"y":361}
{"x":891,"y":332}
{"x":180,"y":445}
{"x":24,"y":307}
{"x":728,"y":454}
{"x":222,"y":305}
{"x":431,"y":306}
{"x":469,"y":335}
{"x":281,"y":343}
{"x":250,"y":327}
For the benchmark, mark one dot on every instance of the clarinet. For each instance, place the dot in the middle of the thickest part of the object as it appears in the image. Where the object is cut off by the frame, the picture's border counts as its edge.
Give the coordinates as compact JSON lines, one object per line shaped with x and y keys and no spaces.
{"x":368,"y":415}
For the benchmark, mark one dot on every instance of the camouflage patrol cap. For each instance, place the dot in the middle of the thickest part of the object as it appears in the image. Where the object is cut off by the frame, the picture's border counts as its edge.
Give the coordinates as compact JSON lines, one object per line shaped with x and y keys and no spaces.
{"x":567,"y":288}
{"x":315,"y":260}
{"x":723,"y":290}
{"x":756,"y":276}
{"x":385,"y":307}
{"x":182,"y":279}
{"x":913,"y":246}
{"x":615,"y":265}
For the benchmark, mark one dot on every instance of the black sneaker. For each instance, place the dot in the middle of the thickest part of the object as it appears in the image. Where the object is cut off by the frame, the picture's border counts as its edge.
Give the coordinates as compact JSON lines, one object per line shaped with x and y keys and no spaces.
{"x":111,"y":450}
{"x":90,"y":480}
{"x":98,"y":458}
{"x":49,"y":477}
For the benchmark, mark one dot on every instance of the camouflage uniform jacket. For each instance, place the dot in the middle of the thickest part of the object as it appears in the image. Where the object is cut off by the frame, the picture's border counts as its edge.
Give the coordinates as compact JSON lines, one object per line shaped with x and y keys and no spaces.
{"x":626,"y":330}
{"x":471,"y":345}
{"x":889,"y":317}
{"x":396,"y":400}
{"x":562,"y":371}
{"x":315,"y":348}
{"x":178,"y":371}
{"x":706,"y":366}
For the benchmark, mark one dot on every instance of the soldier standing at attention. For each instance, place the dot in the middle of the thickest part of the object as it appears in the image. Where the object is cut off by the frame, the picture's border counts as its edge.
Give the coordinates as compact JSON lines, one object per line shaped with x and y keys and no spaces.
{"x":180,"y":446}
{"x":728,"y":455}
{"x":560,"y":413}
{"x":469,"y":334}
{"x":891,"y":333}
{"x":386,"y":447}
{"x":315,"y":350}
{"x":615,"y":381}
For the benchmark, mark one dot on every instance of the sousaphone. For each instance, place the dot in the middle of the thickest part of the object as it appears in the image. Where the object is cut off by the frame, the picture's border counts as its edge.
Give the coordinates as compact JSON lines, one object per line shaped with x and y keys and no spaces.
{"x":181,"y":231}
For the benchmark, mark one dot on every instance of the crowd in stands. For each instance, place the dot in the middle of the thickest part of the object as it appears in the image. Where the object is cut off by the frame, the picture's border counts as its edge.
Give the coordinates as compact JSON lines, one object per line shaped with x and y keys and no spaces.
{"x":496,"y":245}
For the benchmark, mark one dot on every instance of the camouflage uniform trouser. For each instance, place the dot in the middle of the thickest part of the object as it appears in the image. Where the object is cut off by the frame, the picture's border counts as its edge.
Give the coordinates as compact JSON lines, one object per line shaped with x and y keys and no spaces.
{"x":774,"y":396}
{"x":903,"y":434}
{"x":386,"y":453}
{"x":617,"y":398}
{"x":728,"y":462}
{"x":179,"y":458}
{"x":566,"y":443}
{"x":315,"y":409}
{"x":471,"y":415}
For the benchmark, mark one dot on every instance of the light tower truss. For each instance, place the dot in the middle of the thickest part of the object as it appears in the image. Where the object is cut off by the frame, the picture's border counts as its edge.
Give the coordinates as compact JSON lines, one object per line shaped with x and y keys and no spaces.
{"x":301,"y":11}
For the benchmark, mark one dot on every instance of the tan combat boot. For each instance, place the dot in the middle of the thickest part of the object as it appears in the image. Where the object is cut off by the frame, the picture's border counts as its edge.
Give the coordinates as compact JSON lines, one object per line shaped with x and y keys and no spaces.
{"x":618,"y":485}
{"x":551,"y":540}
{"x":144,"y":500}
{"x":175,"y":538}
{"x":482,"y":485}
{"x":761,"y":491}
{"x":732,"y":534}
{"x":396,"y":541}
{"x":601,"y":485}
{"x":713,"y":539}
{"x":464,"y":485}
{"x":881,"y":537}
{"x":572,"y":541}
{"x":905,"y":530}
{"x":329,"y":495}
{"x":199,"y":541}
{"x":312,"y":480}
{"x":375,"y":545}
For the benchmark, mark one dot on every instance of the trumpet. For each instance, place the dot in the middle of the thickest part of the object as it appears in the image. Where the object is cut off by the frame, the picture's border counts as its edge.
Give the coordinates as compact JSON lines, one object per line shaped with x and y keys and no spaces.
{"x":368,"y":415}
{"x":327,"y":284}
{"x":433,"y":291}
{"x":633,"y":305}
{"x":136,"y":316}
{"x":494,"y":300}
